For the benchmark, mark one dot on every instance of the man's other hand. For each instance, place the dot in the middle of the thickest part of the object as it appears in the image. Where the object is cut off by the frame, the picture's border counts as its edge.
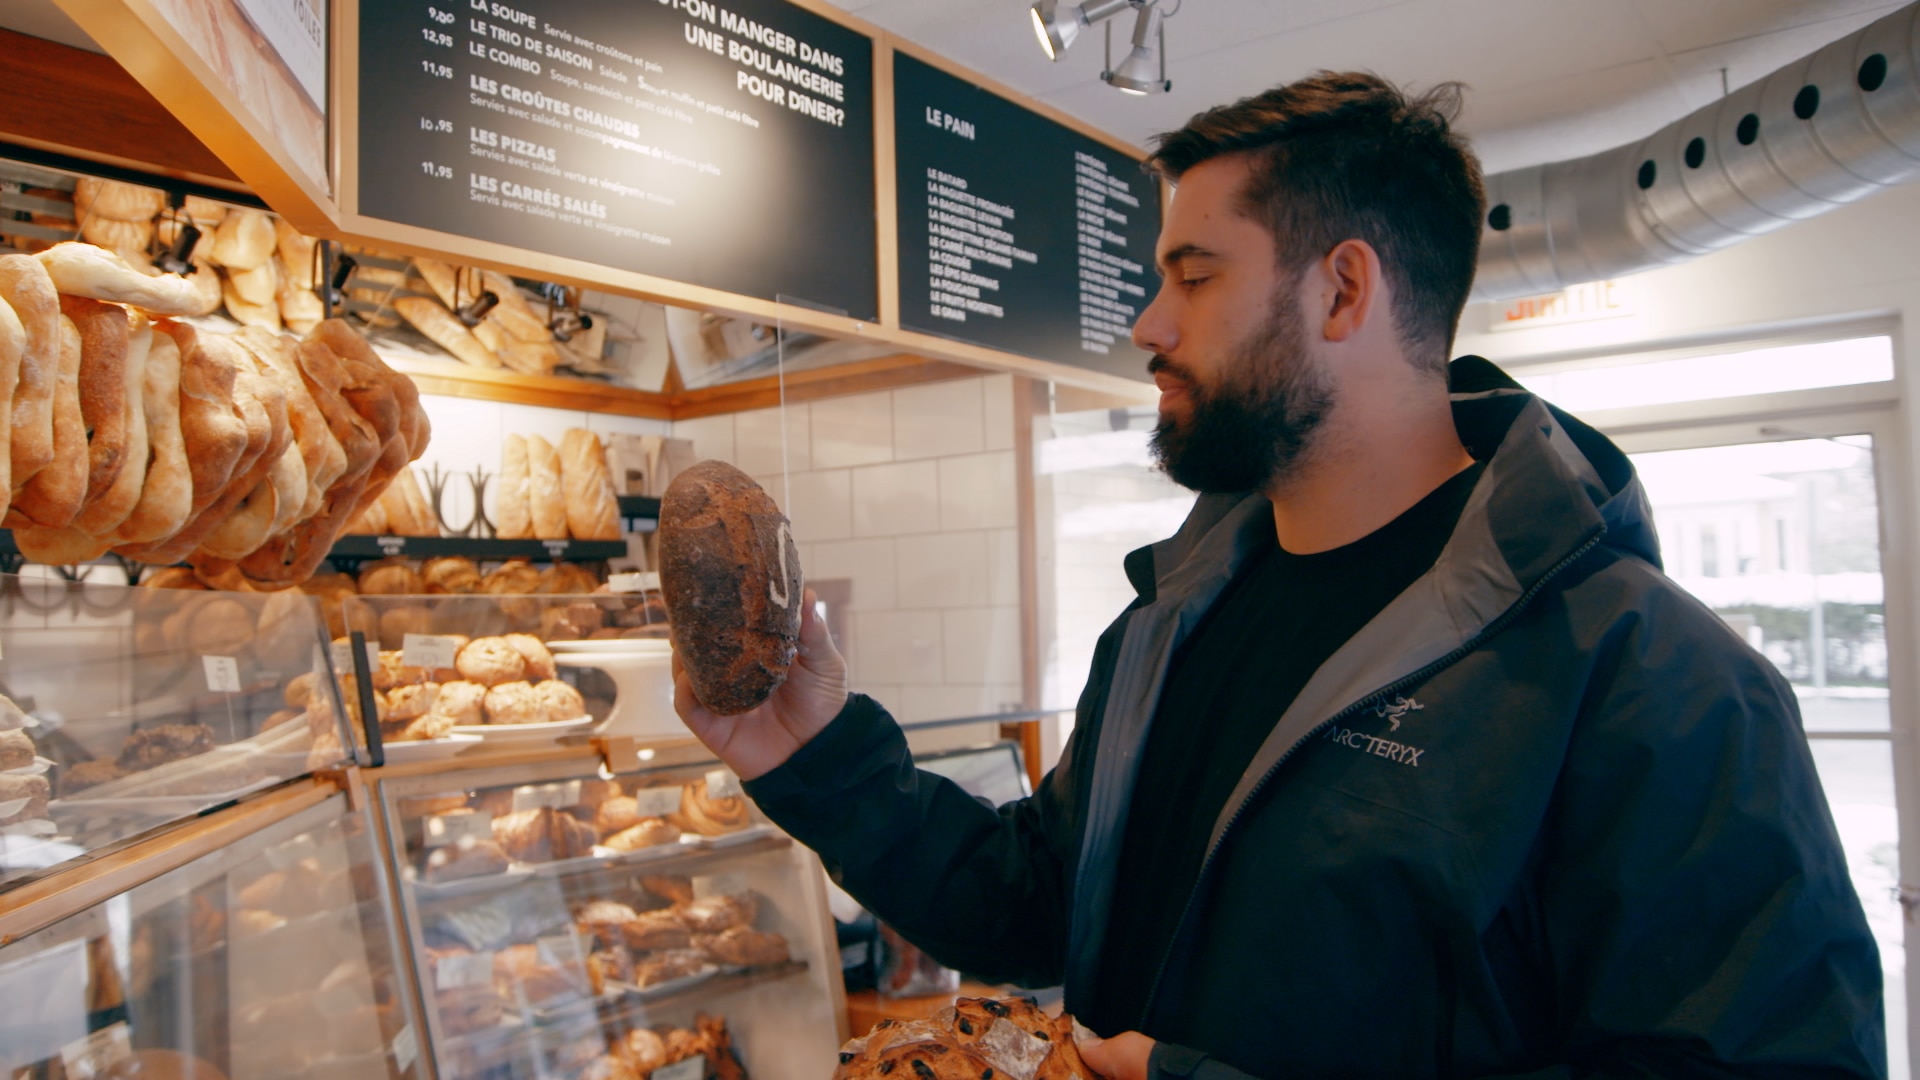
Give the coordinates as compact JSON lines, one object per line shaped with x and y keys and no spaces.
{"x":1123,"y":1057}
{"x":756,"y":741}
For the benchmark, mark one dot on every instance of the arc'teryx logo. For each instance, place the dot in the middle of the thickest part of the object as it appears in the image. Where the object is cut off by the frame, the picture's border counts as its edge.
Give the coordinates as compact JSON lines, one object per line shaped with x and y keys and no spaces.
{"x":1395,"y":710}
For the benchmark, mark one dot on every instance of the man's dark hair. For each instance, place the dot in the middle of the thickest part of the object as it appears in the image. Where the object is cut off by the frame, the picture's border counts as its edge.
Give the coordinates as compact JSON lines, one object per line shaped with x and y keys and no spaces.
{"x":1349,"y":156}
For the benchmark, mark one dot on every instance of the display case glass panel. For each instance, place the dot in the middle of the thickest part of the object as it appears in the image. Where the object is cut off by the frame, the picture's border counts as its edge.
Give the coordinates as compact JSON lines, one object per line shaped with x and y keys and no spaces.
{"x":271,"y":957}
{"x":567,"y":923}
{"x":125,"y":709}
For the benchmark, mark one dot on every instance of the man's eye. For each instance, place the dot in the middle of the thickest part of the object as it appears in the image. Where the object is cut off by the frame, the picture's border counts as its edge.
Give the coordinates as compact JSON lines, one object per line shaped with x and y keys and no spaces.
{"x":1192,"y":280}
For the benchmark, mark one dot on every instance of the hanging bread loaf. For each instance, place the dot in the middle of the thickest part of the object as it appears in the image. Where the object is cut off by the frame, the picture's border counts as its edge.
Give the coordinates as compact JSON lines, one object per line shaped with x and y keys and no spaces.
{"x":104,"y":335}
{"x":731,"y":577}
{"x":97,"y":274}
{"x":245,"y":240}
{"x":593,"y":511}
{"x":166,"y":496}
{"x":322,"y":457}
{"x":94,"y":197}
{"x":512,"y":511}
{"x":213,"y":431}
{"x":296,"y":255}
{"x":546,"y":503}
{"x":13,"y":348}
{"x":53,"y":495}
{"x":26,"y":288}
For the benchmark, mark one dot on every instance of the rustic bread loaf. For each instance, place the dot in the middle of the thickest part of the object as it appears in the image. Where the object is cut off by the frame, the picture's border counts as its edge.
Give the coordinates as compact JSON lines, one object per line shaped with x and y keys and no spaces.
{"x":245,"y":240}
{"x":13,"y":347}
{"x":53,"y":495}
{"x":84,"y":270}
{"x":94,"y":197}
{"x":26,"y":287}
{"x":593,"y":511}
{"x":546,"y":502}
{"x":167,"y":495}
{"x":513,"y":514}
{"x":731,"y":577}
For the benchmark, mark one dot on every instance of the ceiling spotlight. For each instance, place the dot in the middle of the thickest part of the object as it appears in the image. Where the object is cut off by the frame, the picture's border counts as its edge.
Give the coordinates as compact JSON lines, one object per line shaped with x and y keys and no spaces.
{"x":1057,"y":24}
{"x":1144,"y":71}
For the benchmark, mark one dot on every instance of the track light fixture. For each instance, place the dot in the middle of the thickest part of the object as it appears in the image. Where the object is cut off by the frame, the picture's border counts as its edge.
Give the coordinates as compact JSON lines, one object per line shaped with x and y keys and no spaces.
{"x":1144,"y":71}
{"x":1057,"y":24}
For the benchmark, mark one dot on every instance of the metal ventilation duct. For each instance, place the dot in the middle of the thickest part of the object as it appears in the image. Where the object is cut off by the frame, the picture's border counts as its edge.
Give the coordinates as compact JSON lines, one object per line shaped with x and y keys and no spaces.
{"x":1823,"y":131}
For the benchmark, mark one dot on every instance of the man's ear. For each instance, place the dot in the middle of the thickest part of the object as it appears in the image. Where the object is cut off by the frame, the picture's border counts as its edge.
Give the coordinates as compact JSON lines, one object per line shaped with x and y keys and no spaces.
{"x":1351,"y":289}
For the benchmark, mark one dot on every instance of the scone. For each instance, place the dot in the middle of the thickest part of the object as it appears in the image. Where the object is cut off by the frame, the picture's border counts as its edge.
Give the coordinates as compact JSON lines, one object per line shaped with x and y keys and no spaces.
{"x":411,"y":702}
{"x":16,"y":750}
{"x":559,"y":701}
{"x":534,"y":652}
{"x":30,"y":792}
{"x":515,"y":703}
{"x":462,"y":702}
{"x":86,"y":774}
{"x":490,"y":661}
{"x":715,"y":914}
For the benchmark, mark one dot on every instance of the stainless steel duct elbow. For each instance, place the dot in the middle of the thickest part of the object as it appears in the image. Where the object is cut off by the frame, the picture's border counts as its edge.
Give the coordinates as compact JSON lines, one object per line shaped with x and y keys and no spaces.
{"x":1823,"y":131}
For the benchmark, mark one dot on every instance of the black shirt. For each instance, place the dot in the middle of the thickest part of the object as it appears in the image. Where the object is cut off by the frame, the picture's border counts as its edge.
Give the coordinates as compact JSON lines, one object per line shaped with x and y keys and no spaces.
{"x":1280,"y":618}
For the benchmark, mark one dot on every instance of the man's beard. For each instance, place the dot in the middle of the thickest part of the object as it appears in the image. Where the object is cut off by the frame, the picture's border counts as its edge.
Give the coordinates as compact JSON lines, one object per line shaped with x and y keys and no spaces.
{"x":1253,"y":429}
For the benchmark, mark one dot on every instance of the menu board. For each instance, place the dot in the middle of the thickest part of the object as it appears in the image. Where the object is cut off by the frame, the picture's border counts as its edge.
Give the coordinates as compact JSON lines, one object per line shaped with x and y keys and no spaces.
{"x":1016,"y":232}
{"x":724,"y":144}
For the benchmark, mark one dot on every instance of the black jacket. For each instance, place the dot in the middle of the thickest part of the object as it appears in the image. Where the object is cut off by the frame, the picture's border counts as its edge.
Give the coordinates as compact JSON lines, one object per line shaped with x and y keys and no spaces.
{"x":1545,"y":815}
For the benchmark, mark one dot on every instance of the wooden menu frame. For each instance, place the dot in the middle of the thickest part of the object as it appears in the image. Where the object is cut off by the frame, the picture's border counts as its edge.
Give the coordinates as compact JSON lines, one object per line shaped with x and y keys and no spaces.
{"x":355,"y":227}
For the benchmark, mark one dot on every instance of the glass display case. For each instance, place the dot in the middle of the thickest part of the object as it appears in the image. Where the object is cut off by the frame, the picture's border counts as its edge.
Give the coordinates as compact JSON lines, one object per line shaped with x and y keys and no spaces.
{"x":125,"y":709}
{"x":450,"y":671}
{"x":269,"y":956}
{"x":574,"y":923}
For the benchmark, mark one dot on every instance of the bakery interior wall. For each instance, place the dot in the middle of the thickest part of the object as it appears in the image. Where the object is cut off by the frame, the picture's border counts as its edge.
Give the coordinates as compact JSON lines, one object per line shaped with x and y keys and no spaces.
{"x":909,"y":497}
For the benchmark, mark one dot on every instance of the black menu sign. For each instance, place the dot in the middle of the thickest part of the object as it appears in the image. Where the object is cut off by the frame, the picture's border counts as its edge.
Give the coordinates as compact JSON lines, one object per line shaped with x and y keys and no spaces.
{"x":724,"y":143}
{"x":1016,"y":232}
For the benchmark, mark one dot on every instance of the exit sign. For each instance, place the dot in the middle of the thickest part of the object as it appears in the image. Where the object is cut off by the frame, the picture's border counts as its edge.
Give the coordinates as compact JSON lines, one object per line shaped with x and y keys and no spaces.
{"x":1590,"y":302}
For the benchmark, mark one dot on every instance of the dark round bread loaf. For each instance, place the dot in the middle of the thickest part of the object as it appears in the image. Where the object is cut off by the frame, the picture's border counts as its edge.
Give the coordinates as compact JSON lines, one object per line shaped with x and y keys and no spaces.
{"x":731,"y":577}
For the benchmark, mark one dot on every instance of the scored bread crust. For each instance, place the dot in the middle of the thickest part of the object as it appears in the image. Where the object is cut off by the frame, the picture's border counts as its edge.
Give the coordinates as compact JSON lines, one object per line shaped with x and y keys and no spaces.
{"x":731,"y":577}
{"x":91,"y":533}
{"x":104,"y":336}
{"x":26,"y":287}
{"x":546,"y":504}
{"x":593,"y":511}
{"x":512,"y":513}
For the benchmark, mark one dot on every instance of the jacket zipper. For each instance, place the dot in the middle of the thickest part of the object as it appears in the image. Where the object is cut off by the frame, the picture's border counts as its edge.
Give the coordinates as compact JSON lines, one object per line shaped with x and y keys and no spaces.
{"x":1418,"y":676}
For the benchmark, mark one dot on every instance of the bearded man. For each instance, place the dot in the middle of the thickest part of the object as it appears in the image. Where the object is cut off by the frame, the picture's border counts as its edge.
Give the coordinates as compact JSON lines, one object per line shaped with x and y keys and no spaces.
{"x":1407,"y":761}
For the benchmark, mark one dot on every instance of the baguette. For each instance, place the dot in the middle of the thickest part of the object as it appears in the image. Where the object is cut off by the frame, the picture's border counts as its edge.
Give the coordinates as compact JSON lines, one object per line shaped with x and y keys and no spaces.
{"x":546,"y":504}
{"x":25,"y":286}
{"x":512,"y":513}
{"x":97,"y":274}
{"x":441,"y":278}
{"x":439,"y":325}
{"x":593,"y":511}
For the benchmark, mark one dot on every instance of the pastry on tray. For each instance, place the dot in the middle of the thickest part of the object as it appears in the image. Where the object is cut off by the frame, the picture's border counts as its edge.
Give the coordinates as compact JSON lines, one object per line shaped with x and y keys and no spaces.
{"x":1006,"y":1037}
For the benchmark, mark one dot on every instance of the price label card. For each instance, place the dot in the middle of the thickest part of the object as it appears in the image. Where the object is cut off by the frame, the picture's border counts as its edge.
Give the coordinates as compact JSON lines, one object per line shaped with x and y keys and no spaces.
{"x":705,"y":885}
{"x":535,"y":796}
{"x":97,"y":1053}
{"x":561,"y":950}
{"x":657,"y":801}
{"x":693,"y":1068}
{"x":343,"y":657}
{"x":428,"y":650}
{"x":627,"y":582}
{"x":722,"y":784}
{"x":406,"y":1048}
{"x":443,"y":830}
{"x":223,"y":674}
{"x":463,"y":970}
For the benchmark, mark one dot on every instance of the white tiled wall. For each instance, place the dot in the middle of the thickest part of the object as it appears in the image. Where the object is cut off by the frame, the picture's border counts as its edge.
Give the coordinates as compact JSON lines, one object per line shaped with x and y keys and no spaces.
{"x":911,"y":495}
